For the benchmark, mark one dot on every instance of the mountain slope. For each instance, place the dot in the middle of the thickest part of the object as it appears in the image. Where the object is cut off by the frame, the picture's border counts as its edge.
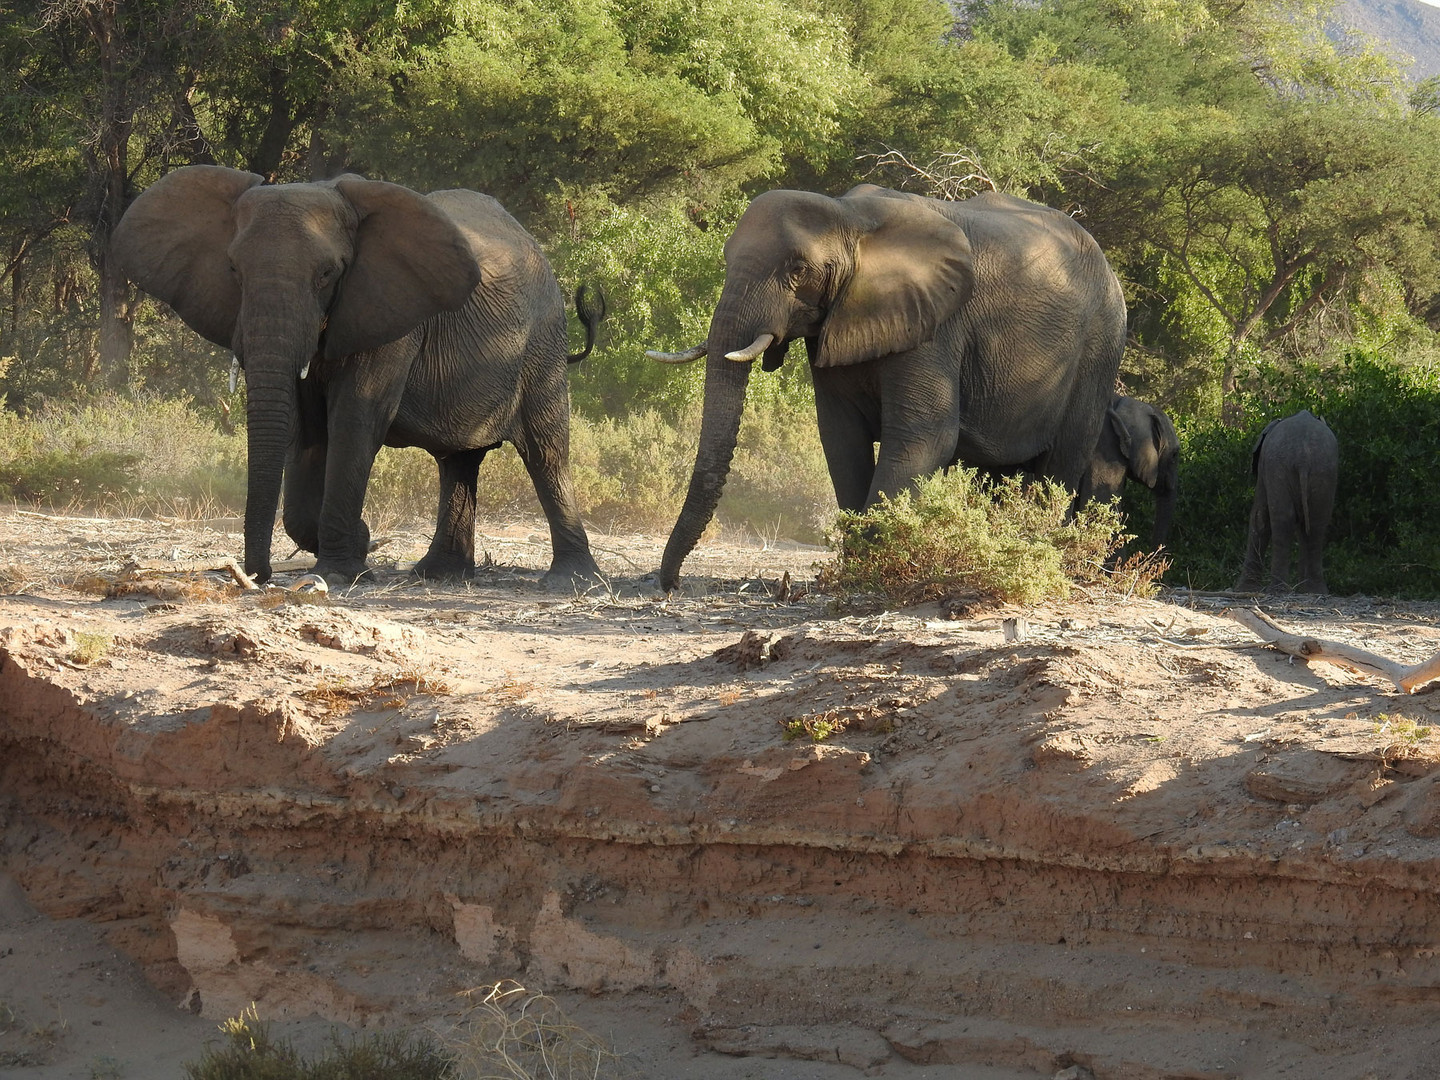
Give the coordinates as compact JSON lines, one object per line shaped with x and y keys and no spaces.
{"x":1410,"y":29}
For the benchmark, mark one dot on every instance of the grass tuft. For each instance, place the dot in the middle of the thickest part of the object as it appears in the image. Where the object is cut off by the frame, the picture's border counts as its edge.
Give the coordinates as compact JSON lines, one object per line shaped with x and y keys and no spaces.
{"x":90,"y":646}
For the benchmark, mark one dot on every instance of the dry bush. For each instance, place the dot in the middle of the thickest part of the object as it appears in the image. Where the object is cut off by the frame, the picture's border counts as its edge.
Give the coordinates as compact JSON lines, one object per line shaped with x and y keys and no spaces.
{"x":511,"y":1033}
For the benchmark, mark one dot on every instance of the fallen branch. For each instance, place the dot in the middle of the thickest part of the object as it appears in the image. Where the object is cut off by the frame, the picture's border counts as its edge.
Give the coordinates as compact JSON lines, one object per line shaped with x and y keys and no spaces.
{"x":1334,"y":652}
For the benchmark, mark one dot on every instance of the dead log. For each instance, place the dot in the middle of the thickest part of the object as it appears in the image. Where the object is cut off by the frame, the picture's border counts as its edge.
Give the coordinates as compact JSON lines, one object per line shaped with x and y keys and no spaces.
{"x":1311,"y":649}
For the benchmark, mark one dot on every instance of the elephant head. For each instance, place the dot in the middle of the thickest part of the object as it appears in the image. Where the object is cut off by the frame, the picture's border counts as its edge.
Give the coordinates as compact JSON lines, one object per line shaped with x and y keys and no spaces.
{"x":286,"y":274}
{"x":858,"y":278}
{"x":1139,"y":442}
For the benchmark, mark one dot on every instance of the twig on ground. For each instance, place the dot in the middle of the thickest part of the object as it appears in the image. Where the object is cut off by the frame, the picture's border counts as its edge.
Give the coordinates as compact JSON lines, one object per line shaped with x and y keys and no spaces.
{"x":245,"y":580}
{"x":1310,"y":649}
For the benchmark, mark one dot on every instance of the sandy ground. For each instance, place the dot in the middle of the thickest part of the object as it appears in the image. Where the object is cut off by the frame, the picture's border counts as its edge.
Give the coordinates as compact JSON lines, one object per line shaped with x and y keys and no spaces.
{"x":733,"y":832}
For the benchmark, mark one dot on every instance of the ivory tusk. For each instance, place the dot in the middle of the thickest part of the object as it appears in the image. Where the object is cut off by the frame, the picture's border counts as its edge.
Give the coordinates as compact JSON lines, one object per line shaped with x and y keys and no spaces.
{"x":692,"y":353}
{"x":305,"y":370}
{"x":234,"y":372}
{"x":754,"y":349}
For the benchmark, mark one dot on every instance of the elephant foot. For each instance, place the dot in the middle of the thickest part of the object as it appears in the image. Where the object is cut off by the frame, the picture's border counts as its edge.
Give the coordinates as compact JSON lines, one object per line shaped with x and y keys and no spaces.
{"x":341,"y":571}
{"x":571,"y":575}
{"x":444,"y":567}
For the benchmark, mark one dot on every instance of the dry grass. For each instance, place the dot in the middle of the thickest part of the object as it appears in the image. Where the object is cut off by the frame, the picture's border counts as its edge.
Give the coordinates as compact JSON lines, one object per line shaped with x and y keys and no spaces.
{"x":338,"y":695}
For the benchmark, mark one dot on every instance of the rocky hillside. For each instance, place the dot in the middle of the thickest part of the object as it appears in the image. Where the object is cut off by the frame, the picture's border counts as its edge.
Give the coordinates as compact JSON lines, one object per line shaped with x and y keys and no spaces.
{"x":1411,"y":27}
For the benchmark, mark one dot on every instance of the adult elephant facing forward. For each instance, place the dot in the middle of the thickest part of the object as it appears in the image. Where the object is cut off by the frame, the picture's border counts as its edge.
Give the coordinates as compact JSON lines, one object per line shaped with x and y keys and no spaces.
{"x":364,"y":314}
{"x":987,"y":331}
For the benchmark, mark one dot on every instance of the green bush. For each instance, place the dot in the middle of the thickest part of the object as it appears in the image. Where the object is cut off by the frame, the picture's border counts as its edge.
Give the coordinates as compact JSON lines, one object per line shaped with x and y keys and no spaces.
{"x":1384,"y":539}
{"x":249,"y":1052}
{"x":959,"y":532}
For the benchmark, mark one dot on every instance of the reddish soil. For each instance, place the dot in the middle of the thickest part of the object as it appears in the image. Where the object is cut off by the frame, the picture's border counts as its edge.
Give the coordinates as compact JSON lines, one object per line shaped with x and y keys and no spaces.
{"x":1130,"y":840}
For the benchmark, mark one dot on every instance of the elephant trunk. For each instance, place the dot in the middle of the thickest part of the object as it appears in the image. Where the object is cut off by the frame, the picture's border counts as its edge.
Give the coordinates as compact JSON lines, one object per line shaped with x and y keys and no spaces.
{"x":725,"y":384}
{"x":270,"y":412}
{"x":1165,"y":493}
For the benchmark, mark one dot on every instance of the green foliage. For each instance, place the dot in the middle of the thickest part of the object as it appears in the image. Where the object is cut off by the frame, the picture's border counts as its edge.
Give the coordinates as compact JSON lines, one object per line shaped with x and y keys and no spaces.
{"x":661,"y":275}
{"x":250,"y":1052}
{"x":1383,"y":539}
{"x":959,"y":532}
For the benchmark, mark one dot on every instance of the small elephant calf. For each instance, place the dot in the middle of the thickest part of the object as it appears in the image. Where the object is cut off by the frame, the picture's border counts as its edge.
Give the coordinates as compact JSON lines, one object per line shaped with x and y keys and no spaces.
{"x":1137,"y":442}
{"x":1296,"y":463}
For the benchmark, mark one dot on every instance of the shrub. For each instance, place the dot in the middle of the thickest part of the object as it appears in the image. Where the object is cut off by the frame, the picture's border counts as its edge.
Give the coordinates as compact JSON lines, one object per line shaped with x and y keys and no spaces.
{"x":958,"y":532}
{"x":511,"y":1033}
{"x":134,"y":453}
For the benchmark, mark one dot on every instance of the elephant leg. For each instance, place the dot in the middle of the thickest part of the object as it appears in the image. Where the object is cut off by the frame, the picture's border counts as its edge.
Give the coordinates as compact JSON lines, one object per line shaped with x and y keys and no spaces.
{"x":1282,"y":539}
{"x":304,"y":489}
{"x":919,"y":426}
{"x":361,"y":406}
{"x":848,"y":430}
{"x":544,"y":447}
{"x":1312,"y":543}
{"x":452,"y":549}
{"x":1252,"y":576}
{"x":304,"y":494}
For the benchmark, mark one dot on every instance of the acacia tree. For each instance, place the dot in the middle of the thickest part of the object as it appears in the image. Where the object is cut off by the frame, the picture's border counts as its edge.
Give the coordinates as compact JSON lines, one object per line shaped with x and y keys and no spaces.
{"x":1278,"y":215}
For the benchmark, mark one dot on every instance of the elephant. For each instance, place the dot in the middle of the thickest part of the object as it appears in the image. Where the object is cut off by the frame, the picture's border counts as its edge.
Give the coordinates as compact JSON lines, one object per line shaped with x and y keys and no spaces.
{"x":1296,"y":463}
{"x":364,"y":313}
{"x":1137,"y":442}
{"x":987,"y":331}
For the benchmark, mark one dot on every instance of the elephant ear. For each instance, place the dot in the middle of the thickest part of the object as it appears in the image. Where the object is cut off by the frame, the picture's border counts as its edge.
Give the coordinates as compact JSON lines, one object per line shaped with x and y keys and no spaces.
{"x":411,"y":262}
{"x":1121,"y":433}
{"x":1255,"y":453}
{"x":174,"y":241}
{"x":912,"y":270}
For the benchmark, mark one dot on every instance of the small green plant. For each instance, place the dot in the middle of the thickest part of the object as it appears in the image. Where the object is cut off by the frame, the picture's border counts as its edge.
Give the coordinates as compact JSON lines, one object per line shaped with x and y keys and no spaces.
{"x":90,"y":646}
{"x":957,"y":532}
{"x":817,"y":727}
{"x":1401,"y":732}
{"x":105,"y":1067}
{"x":249,"y":1052}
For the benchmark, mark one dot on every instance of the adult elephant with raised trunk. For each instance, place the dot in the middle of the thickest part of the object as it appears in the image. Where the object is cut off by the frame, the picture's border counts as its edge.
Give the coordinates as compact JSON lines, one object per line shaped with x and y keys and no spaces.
{"x":987,"y":331}
{"x":366,"y":314}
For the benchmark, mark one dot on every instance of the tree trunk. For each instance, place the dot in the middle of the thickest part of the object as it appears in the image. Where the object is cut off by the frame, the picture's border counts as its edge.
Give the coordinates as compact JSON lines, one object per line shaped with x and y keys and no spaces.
{"x":109,"y":175}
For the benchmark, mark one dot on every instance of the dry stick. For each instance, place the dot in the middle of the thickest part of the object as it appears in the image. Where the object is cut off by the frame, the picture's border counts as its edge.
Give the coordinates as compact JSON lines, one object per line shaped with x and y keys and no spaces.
{"x":1334,"y":652}
{"x":245,"y":580}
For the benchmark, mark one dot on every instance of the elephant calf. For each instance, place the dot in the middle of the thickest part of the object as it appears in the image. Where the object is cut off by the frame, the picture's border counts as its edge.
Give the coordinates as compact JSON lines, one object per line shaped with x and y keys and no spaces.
{"x":1137,"y":442}
{"x":1296,"y":462}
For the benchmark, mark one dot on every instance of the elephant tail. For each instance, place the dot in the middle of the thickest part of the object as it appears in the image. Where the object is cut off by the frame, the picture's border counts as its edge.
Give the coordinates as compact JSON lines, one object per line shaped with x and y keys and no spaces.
{"x":1304,"y":478}
{"x":590,"y":318}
